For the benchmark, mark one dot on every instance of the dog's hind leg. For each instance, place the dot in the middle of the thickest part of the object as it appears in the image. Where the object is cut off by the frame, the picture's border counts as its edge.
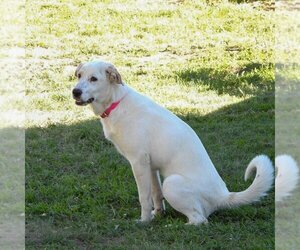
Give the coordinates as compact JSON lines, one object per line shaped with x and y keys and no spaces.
{"x":183,"y":197}
{"x":156,"y":193}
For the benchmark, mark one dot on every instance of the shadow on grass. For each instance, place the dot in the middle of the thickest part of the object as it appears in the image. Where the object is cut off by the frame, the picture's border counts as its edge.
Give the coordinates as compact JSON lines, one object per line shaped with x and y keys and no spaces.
{"x":12,"y":195}
{"x":253,"y":78}
{"x":80,"y":191}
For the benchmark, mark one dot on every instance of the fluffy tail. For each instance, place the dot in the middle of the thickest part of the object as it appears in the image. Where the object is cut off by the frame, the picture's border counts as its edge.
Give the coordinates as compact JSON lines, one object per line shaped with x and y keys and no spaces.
{"x":287,"y":176}
{"x":260,"y":186}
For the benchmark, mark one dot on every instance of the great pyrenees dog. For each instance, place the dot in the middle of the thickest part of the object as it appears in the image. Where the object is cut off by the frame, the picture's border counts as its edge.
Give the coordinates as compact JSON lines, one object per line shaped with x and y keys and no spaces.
{"x":156,"y":142}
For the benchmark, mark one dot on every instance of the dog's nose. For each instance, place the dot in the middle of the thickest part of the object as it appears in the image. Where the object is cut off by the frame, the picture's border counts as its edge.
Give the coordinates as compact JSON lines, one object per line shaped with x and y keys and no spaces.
{"x":77,"y":92}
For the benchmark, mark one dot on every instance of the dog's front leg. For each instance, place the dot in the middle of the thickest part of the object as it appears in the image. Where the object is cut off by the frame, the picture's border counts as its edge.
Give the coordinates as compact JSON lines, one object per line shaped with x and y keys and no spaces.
{"x":157,"y":195}
{"x":142,"y":174}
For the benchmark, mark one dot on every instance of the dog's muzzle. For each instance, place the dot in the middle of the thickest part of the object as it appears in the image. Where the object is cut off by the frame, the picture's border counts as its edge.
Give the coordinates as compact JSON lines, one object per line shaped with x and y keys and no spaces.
{"x":77,"y":96}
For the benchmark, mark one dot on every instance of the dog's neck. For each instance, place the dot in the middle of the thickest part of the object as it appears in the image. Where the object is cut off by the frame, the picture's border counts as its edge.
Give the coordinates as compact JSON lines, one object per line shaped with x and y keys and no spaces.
{"x":115,"y":94}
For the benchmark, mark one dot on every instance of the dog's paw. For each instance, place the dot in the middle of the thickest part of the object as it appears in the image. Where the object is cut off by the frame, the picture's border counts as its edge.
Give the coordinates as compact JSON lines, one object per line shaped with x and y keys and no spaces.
{"x":197,"y":222}
{"x":145,"y":219}
{"x":158,"y":212}
{"x":142,"y":222}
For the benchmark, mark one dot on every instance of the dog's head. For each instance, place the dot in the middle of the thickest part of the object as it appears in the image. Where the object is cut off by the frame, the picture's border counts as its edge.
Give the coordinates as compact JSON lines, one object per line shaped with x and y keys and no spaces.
{"x":95,"y":82}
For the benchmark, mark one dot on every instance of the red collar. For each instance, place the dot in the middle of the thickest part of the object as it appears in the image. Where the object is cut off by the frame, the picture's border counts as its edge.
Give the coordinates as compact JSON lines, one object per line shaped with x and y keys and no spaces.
{"x":111,"y":107}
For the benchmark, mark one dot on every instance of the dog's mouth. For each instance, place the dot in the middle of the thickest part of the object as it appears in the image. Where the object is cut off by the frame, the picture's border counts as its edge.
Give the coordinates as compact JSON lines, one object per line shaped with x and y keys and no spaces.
{"x":82,"y":103}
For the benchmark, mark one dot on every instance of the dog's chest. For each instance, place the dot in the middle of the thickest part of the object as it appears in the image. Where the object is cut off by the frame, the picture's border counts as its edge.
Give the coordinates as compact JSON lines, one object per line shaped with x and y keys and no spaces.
{"x":115,"y":135}
{"x":108,"y":131}
{"x":112,"y":133}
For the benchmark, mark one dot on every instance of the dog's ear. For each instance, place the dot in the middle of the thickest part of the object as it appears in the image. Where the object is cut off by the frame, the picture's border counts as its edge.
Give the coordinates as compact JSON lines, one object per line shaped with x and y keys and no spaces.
{"x":78,"y":68}
{"x":113,"y":75}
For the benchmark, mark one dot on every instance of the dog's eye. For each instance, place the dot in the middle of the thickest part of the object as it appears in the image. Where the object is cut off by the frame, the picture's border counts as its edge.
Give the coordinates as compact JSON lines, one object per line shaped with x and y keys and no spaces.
{"x":93,"y":79}
{"x":79,"y":75}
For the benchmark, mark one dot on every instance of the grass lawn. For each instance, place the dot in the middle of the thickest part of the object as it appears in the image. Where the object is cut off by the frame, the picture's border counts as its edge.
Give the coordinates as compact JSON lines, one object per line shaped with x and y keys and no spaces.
{"x":288,"y":120}
{"x":12,"y":132}
{"x":212,"y":65}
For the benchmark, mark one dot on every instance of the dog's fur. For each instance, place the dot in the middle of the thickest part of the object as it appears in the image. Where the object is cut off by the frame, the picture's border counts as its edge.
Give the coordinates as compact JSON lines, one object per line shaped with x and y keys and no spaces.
{"x":155,"y":141}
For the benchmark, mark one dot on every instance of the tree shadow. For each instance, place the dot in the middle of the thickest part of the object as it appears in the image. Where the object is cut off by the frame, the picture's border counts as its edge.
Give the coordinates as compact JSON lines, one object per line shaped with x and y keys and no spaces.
{"x":251,"y":79}
{"x":12,"y":197}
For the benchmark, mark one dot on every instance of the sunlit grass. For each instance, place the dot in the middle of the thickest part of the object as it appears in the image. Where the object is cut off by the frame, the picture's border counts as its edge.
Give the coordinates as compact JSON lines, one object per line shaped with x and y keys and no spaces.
{"x":211,"y":65}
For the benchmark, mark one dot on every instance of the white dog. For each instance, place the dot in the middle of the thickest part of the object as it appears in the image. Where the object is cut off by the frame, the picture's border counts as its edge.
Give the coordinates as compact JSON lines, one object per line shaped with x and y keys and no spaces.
{"x":155,"y":141}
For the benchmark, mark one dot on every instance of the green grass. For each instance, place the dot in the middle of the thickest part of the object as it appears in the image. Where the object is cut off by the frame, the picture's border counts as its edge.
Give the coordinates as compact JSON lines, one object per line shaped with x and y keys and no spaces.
{"x":212,"y":66}
{"x":12,"y":132}
{"x":287,"y":120}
